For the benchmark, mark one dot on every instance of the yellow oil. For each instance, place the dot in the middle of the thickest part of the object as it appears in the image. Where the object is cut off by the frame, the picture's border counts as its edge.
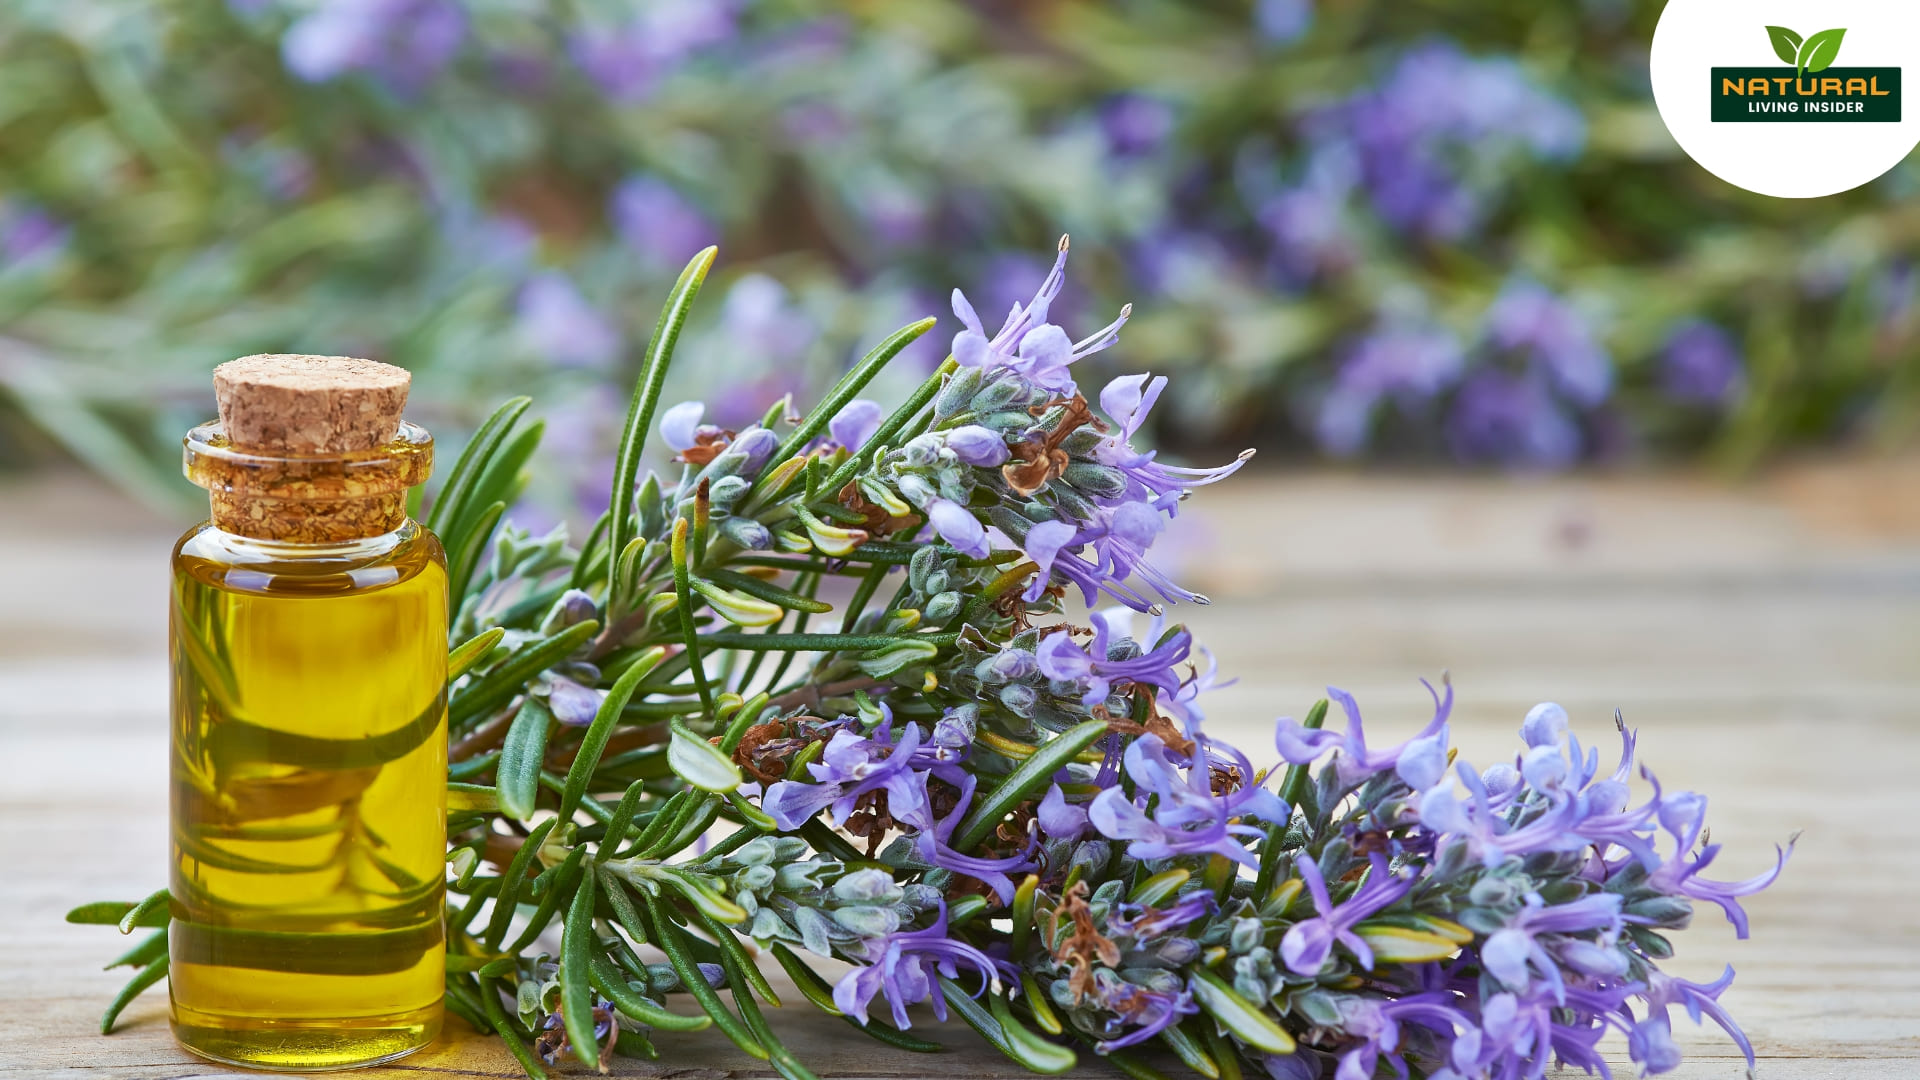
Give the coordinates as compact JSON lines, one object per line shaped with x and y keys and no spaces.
{"x":309,"y":798}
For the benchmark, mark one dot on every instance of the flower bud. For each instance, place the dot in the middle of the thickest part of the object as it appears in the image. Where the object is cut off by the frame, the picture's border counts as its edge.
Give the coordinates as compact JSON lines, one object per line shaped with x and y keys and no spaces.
{"x":977,"y":446}
{"x":1246,"y":934}
{"x":867,"y":922}
{"x":1090,"y":856}
{"x":1099,"y":481}
{"x":1019,"y":699}
{"x":724,"y":491}
{"x":755,"y":445}
{"x":573,"y":607}
{"x":958,"y":391}
{"x":746,"y":533}
{"x":756,"y":852}
{"x":869,"y":886}
{"x":943,"y":607}
{"x":754,"y":879}
{"x":998,"y":395}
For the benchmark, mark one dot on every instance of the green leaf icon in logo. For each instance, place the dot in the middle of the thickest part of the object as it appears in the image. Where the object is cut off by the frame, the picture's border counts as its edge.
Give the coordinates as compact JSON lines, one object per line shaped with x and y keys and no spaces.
{"x":1818,"y":52}
{"x":1786,"y":44}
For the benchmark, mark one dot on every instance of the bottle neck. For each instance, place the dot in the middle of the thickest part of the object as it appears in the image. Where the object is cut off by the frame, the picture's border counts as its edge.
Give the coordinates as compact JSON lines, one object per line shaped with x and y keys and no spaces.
{"x":314,"y":520}
{"x":308,"y":499}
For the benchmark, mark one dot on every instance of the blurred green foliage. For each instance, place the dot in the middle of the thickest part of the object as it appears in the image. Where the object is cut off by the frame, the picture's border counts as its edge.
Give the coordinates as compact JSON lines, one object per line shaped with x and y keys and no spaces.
{"x":494,"y":195}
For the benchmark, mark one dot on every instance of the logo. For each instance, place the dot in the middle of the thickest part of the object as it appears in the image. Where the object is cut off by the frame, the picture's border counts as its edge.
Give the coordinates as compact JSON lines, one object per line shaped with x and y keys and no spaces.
{"x":1806,"y":126}
{"x":1811,"y":89}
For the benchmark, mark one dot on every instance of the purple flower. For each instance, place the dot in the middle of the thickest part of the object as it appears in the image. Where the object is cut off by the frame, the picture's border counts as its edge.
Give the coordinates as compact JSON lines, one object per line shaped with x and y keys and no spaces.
{"x":1529,"y":319}
{"x":1148,"y":1012}
{"x":958,"y":527}
{"x":850,"y":767}
{"x":1136,"y":124}
{"x":1486,"y":830}
{"x":1308,"y":945}
{"x":1128,"y":399}
{"x":855,"y":423}
{"x":1027,"y":343}
{"x":661,"y":225}
{"x":573,"y":704}
{"x":407,"y":42}
{"x":933,"y":847}
{"x":1376,"y":1022}
{"x":1420,"y":761}
{"x":1438,"y":108}
{"x":1511,"y":419}
{"x":1282,"y":22}
{"x":1093,"y":666}
{"x":977,"y":446}
{"x":1187,"y":817}
{"x":556,"y":321}
{"x":901,"y":967}
{"x":1651,"y":1040}
{"x":627,"y":61}
{"x":27,"y":231}
{"x":1059,"y":819}
{"x":1700,"y":364}
{"x":680,"y":425}
{"x":1407,"y":362}
{"x":1683,"y":815}
{"x":1513,"y":953}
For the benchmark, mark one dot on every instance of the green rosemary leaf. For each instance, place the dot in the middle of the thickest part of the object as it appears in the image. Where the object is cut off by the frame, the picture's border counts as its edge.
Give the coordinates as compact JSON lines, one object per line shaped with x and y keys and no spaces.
{"x":646,"y":396}
{"x":826,"y":841}
{"x":151,"y":948}
{"x":741,"y":971}
{"x":623,"y":910}
{"x":564,"y":876}
{"x":700,"y":816}
{"x":1033,"y":774}
{"x":724,"y":639}
{"x":616,"y":833}
{"x":673,"y":941}
{"x":593,"y":552}
{"x":765,"y":590}
{"x":510,"y":881}
{"x":456,"y":493}
{"x":699,"y":762}
{"x":501,"y":480}
{"x":521,"y":755}
{"x":609,"y":981}
{"x":1220,"y":1048}
{"x":465,"y":551}
{"x":594,"y":743}
{"x":1029,"y":1049}
{"x":1190,"y":1052}
{"x":849,"y":387}
{"x":502,"y":1026}
{"x":576,"y":990}
{"x":149,"y":912}
{"x":1133,"y":1066}
{"x":500,"y":685}
{"x":470,"y":651}
{"x":104,"y":913}
{"x":472,"y":798}
{"x":806,"y":980}
{"x":461,"y":1001}
{"x":683,"y":594}
{"x":1038,"y":1004}
{"x":136,"y":986}
{"x":1245,"y":1020}
{"x":730,"y":947}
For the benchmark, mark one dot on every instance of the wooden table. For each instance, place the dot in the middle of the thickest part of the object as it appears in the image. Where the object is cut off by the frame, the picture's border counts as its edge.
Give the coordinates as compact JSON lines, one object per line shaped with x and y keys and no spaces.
{"x":1765,"y":640}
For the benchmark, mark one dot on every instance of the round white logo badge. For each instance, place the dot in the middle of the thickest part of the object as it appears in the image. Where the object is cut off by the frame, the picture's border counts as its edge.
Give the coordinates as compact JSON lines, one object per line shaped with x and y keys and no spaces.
{"x":1791,"y":99}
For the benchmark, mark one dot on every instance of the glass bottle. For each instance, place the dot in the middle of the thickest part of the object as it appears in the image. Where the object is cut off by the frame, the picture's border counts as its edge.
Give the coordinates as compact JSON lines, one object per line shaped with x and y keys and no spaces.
{"x":309,"y":745}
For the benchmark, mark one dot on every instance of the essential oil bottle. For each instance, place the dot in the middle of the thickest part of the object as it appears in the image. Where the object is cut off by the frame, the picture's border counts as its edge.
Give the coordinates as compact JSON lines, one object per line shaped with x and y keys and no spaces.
{"x":309,"y":742}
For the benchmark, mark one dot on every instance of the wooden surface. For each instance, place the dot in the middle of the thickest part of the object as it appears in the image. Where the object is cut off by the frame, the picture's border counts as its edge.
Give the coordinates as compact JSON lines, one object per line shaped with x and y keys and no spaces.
{"x":1764,"y":639}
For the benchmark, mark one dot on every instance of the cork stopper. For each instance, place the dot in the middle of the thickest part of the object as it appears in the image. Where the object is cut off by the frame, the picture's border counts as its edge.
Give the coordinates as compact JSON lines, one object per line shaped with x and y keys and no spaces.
{"x":288,"y":403}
